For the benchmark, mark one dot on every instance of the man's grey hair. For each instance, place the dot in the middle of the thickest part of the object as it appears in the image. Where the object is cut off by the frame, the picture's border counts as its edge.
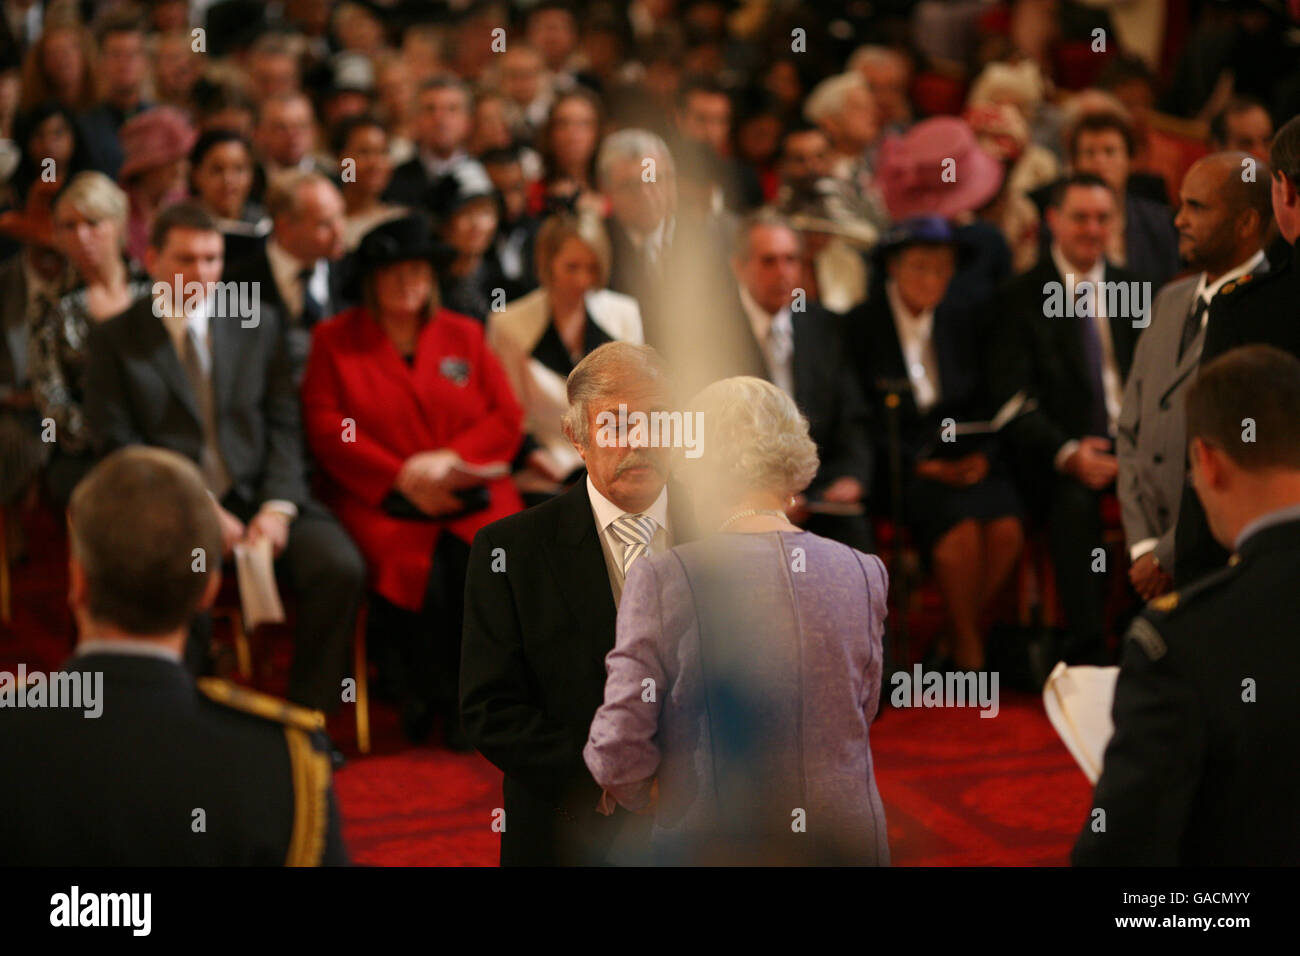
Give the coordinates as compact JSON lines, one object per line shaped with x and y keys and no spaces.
{"x":765,"y":216}
{"x":449,"y":81}
{"x":606,"y":371}
{"x":874,"y":53}
{"x":633,"y":144}
{"x":827,"y":97}
{"x":284,"y":195}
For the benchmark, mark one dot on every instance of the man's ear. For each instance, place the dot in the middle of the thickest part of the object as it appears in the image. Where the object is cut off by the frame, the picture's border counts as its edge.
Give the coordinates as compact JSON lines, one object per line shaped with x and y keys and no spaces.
{"x":568,"y":433}
{"x":1210,"y":462}
{"x":1053,"y":217}
{"x":1290,"y":197}
{"x":150,"y":258}
{"x":77,"y":586}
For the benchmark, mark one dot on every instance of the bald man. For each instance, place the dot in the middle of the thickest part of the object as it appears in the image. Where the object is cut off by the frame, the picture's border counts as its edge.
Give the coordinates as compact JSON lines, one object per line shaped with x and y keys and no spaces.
{"x":1222,"y":221}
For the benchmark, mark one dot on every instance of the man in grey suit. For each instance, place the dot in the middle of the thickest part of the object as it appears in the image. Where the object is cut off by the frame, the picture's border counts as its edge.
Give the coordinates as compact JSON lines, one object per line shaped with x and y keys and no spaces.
{"x":217,"y":388}
{"x":1222,"y":219}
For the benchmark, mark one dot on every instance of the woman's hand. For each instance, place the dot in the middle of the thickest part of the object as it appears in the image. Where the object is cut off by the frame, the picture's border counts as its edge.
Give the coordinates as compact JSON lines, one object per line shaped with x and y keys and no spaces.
{"x":959,"y":473}
{"x":424,"y":480}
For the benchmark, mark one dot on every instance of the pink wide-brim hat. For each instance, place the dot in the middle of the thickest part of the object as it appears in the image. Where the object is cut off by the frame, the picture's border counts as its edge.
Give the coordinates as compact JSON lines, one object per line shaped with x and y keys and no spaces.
{"x":154,"y":138}
{"x":910,"y":170}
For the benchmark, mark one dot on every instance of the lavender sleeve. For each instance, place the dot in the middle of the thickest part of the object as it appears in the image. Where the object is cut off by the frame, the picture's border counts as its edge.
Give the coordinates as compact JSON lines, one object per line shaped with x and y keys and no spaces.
{"x":621,"y":751}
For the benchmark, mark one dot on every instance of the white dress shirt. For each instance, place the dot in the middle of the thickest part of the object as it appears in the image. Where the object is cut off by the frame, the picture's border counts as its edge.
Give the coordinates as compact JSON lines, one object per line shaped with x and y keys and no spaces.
{"x":775,"y":336}
{"x":436,"y":167}
{"x":607,"y":513}
{"x":916,"y":336}
{"x":1111,"y":382}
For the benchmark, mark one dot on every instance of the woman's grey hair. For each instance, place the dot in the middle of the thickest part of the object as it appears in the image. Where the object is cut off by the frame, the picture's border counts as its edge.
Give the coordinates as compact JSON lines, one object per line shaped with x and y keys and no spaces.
{"x":95,"y":196}
{"x":827,"y":97}
{"x":607,"y":371}
{"x":633,"y":144}
{"x":754,"y":438}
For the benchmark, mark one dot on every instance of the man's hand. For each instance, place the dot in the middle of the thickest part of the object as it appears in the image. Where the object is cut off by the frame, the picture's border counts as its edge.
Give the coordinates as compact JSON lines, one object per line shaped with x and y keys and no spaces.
{"x":232,"y":530}
{"x":1148,"y":578}
{"x":843,"y":490}
{"x":1092,"y":463}
{"x":272,"y":525}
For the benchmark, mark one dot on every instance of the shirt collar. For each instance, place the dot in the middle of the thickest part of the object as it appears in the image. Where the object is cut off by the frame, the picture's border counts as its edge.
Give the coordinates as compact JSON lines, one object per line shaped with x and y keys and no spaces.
{"x":760,"y":320}
{"x":1280,"y":516}
{"x":1210,"y":290}
{"x":607,"y":512}
{"x":126,"y":647}
{"x":921,"y":325}
{"x":1066,"y":268}
{"x":285,"y":266}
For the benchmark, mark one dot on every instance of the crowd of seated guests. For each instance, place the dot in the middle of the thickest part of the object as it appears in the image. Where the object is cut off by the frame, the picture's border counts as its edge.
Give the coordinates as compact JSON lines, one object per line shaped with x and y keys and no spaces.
{"x":440,"y":227}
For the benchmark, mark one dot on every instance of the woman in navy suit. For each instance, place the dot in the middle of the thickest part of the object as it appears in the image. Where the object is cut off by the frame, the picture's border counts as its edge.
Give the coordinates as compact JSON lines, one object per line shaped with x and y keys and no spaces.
{"x":959,"y":504}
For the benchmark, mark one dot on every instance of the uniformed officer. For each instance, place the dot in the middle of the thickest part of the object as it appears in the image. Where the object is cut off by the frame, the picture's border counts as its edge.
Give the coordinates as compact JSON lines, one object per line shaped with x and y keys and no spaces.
{"x":1202,"y":767}
{"x":1262,"y":308}
{"x":146,"y":767}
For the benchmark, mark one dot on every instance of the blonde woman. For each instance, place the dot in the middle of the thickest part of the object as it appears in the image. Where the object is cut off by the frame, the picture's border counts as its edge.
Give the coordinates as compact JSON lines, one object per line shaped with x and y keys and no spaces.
{"x":89,"y":217}
{"x":746,"y":669}
{"x":543,"y":335}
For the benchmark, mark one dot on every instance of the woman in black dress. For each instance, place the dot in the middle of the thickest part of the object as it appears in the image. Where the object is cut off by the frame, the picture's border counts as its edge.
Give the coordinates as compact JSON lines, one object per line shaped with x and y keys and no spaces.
{"x":909,"y":341}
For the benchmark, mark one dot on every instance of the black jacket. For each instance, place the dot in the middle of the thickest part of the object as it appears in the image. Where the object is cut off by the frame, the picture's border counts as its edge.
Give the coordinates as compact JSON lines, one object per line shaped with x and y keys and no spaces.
{"x":137,"y":393}
{"x":532,"y":672}
{"x":1044,"y":356}
{"x":1201,"y":770}
{"x":125,"y":788}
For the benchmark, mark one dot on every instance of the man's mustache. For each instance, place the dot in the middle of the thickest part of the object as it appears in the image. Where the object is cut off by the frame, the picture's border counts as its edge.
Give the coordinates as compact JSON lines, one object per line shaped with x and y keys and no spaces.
{"x":638,"y":460}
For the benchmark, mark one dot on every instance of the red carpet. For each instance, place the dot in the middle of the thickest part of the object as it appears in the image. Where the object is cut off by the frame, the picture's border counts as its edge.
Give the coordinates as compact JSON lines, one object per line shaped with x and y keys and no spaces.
{"x":959,"y":790}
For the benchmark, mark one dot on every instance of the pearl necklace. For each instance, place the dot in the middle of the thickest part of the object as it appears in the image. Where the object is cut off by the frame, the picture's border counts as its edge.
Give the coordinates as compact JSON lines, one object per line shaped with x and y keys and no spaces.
{"x":749,"y":514}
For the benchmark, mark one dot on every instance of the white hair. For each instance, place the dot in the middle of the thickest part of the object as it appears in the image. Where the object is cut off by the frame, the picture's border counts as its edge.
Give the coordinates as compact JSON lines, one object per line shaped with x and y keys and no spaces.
{"x":827,"y":97}
{"x":756,"y":439}
{"x":633,"y":144}
{"x":873,"y":53}
{"x":605,"y":372}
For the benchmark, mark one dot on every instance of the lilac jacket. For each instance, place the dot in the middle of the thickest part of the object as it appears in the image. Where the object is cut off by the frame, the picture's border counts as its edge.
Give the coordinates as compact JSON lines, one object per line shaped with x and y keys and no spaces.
{"x":745,"y":675}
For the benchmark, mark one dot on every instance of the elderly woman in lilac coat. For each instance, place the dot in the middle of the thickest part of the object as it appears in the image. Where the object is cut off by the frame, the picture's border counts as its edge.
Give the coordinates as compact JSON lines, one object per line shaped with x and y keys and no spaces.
{"x":747,"y":666}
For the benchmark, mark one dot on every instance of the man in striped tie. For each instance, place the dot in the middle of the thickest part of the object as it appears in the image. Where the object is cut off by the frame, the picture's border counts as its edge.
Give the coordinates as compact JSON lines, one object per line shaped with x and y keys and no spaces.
{"x":540,"y":603}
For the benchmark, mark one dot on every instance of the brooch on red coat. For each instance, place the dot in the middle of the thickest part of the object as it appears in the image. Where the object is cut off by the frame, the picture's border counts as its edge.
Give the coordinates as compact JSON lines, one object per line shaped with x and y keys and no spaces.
{"x":456,"y":370}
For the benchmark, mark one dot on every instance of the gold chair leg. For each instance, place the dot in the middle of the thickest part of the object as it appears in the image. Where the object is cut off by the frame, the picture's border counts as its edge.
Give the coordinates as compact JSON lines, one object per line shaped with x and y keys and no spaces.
{"x":243,"y":652}
{"x":360,"y":671}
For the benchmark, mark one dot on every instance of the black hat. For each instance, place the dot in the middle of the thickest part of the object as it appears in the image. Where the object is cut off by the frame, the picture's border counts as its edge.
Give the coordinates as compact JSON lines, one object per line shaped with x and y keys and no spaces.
{"x":396,"y":240}
{"x":465,"y":182}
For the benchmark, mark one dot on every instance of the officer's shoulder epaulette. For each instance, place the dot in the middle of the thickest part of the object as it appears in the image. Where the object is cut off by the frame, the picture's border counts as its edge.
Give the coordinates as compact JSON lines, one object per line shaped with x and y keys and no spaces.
{"x":1230,"y":287}
{"x":254,"y":702}
{"x":1162,"y":607}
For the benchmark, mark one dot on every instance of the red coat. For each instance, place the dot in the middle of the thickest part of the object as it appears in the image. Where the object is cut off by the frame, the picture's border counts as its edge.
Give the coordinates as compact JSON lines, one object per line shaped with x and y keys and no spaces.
{"x":456,"y":396}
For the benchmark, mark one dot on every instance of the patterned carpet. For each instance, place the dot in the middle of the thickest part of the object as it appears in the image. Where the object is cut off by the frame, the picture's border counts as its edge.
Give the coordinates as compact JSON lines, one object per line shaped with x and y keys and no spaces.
{"x":959,"y":790}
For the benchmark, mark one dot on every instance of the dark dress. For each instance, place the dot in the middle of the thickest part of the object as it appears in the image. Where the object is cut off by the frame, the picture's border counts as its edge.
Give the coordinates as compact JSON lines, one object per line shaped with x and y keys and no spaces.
{"x":930,"y":508}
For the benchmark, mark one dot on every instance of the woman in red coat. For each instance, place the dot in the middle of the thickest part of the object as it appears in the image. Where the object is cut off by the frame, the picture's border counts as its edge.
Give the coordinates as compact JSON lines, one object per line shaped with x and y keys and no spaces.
{"x":405,"y":410}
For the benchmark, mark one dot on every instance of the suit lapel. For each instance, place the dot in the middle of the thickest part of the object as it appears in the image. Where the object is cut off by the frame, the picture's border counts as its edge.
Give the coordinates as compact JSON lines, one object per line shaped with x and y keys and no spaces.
{"x":578,"y":562}
{"x":1067,"y":335}
{"x":225,"y":347}
{"x":157,"y":343}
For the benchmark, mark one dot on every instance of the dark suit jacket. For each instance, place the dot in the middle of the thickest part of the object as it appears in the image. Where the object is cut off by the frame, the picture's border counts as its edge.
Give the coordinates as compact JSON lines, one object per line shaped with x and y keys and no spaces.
{"x":876,"y":357}
{"x":1265,"y":310}
{"x":256,"y":267}
{"x":533,"y":671}
{"x":137,"y":393}
{"x":120,"y":789}
{"x":1196,"y":774}
{"x":1045,"y":357}
{"x":410,"y":185}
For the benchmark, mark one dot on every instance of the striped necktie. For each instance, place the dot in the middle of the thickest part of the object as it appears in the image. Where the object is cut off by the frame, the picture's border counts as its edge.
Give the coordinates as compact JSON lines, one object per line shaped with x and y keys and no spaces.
{"x":636,"y":532}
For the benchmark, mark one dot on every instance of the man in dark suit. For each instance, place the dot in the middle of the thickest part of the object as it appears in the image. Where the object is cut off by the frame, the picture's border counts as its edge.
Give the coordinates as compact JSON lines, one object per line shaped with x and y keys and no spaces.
{"x":1262,"y":309}
{"x":297,"y":268}
{"x":1201,"y":770}
{"x":198,"y":378}
{"x":1103,"y":144}
{"x":768,"y":329}
{"x":444,"y":117}
{"x":540,"y":603}
{"x":1063,"y":335}
{"x":138,"y":765}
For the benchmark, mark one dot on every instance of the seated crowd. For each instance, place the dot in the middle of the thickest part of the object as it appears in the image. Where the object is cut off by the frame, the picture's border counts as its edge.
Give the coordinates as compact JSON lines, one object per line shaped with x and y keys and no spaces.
{"x":421,"y":238}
